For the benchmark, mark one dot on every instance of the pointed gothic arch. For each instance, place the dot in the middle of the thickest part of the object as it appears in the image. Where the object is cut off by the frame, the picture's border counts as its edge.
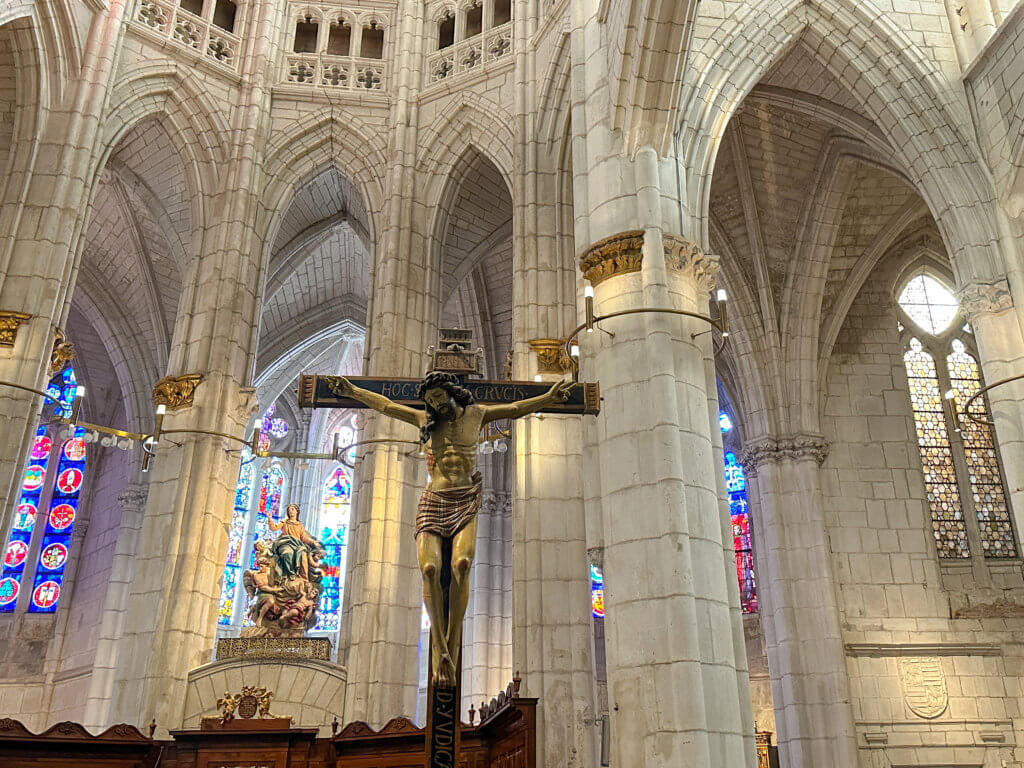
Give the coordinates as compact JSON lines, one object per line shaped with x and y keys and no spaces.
{"x":932,"y":150}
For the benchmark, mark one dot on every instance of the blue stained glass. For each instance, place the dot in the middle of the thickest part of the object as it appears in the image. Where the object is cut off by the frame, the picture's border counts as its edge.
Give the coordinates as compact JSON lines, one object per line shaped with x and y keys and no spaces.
{"x":236,"y":539}
{"x":334,"y":518}
{"x":15,"y":554}
{"x":736,"y":486}
{"x":724,"y":421}
{"x":61,"y":393}
{"x":56,"y":545}
{"x":596,"y":592}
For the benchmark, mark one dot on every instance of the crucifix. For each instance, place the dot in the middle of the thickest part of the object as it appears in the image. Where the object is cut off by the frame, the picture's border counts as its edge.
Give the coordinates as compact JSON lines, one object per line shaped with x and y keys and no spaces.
{"x":449,"y":411}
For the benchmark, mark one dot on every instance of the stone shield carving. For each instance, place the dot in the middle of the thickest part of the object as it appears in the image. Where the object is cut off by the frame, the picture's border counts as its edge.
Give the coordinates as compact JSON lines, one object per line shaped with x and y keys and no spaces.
{"x":924,"y":686}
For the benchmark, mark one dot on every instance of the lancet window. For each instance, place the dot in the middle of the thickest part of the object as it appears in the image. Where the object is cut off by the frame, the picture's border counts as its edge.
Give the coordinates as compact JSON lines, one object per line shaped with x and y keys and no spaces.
{"x":335,"y":509}
{"x":37,"y":551}
{"x":736,"y":490}
{"x":970,"y":511}
{"x":253,"y":508}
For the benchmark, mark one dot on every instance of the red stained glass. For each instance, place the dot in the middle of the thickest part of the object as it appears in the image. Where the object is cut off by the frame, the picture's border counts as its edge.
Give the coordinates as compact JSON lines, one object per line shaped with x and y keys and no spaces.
{"x":74,"y":449}
{"x":34,"y":475}
{"x":70,"y":480}
{"x":46,"y":594}
{"x":41,"y":447}
{"x":54,"y":556}
{"x":16,"y":553}
{"x":62,"y":516}
{"x":8,"y":590}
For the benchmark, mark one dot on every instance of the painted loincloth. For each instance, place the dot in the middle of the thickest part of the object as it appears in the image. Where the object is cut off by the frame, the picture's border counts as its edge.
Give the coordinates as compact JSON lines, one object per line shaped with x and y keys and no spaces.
{"x":448,"y":511}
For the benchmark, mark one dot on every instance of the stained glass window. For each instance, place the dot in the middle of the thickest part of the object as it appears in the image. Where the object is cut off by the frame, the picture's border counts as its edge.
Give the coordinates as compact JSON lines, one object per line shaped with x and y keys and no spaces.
{"x":940,"y":480}
{"x":596,"y":592}
{"x":929,"y":304}
{"x":724,"y":422}
{"x":980,"y":453}
{"x":61,"y":393}
{"x":56,"y":543}
{"x":736,"y":488}
{"x":16,"y":551}
{"x":236,"y":540}
{"x":269,"y":507}
{"x":334,"y":521}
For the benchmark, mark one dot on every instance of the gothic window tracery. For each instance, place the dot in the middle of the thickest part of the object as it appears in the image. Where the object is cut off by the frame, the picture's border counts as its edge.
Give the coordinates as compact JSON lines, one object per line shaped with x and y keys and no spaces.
{"x":963,"y":479}
{"x":37,"y":550}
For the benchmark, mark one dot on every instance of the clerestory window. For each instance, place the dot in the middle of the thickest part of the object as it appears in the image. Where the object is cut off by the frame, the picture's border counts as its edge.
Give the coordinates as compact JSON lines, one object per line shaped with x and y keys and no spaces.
{"x":970,"y":511}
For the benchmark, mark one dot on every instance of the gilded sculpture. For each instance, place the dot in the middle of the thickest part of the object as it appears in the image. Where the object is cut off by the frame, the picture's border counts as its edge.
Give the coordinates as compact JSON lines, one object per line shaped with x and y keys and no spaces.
{"x":446,"y":516}
{"x":285,"y":586}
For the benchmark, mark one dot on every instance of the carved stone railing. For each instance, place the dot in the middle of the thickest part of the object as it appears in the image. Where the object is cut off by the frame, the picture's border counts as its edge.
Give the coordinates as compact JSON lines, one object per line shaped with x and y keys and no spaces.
{"x":343,"y":72}
{"x":473,"y":55}
{"x":188,"y":31}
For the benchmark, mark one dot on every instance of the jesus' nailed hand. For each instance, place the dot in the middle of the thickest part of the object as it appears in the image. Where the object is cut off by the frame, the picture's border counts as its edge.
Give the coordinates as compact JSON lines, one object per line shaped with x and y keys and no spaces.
{"x":451,"y":424}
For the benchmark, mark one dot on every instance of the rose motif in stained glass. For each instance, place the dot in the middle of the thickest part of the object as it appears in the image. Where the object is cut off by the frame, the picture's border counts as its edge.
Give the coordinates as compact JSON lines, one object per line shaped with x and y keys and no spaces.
{"x":41,"y":447}
{"x":54,"y":556}
{"x":62,"y":516}
{"x":16,"y":553}
{"x":34,"y":475}
{"x":45,"y":595}
{"x":74,"y":449}
{"x":70,"y":480}
{"x":8,"y":590}
{"x":25,"y":516}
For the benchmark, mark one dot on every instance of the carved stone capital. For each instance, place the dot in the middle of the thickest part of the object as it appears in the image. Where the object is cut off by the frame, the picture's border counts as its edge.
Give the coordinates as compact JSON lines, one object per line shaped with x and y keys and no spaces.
{"x":176,"y":392}
{"x":616,"y":255}
{"x":63,"y":352}
{"x":688,"y":258}
{"x":551,"y":356}
{"x":248,"y":404}
{"x":757,"y":452}
{"x":132,"y":498}
{"x":978,"y":299}
{"x":10,"y":322}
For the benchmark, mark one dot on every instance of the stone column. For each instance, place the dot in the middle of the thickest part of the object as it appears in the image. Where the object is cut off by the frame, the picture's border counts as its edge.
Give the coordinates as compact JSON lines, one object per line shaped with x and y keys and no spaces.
{"x":115,"y":605}
{"x":671,"y":651}
{"x":997,"y":329}
{"x":40,"y":229}
{"x":172,"y":610}
{"x":383,"y":588}
{"x":552,"y":635}
{"x":798,"y":604}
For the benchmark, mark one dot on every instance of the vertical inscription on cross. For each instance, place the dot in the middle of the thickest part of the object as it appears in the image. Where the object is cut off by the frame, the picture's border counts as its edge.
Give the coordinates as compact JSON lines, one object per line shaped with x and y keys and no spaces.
{"x":449,"y":424}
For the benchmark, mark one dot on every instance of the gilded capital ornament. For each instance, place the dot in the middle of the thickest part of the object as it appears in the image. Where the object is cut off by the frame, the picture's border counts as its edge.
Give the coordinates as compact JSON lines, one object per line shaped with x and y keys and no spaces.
{"x":551,"y":356}
{"x":176,"y":392}
{"x":685,"y":256}
{"x":794,"y":448}
{"x":63,"y":352}
{"x":616,"y":255}
{"x":978,"y":299}
{"x":10,"y":322}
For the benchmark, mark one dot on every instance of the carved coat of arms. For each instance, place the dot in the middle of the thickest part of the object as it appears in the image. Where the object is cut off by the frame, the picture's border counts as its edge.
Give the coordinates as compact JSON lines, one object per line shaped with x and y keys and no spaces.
{"x":924,"y":686}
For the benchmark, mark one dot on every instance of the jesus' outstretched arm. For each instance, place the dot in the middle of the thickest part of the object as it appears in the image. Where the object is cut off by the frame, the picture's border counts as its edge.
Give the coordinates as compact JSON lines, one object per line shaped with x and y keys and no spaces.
{"x":342,"y":387}
{"x":558,"y":393}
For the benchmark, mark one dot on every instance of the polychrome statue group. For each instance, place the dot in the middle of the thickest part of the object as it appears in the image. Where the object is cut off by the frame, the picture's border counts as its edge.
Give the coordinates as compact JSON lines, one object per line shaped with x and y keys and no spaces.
{"x":285,"y":587}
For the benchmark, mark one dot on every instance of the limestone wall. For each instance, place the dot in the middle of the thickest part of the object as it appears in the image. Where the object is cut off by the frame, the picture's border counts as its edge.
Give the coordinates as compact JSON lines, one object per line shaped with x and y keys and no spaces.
{"x":311,"y":692}
{"x":927,"y":689}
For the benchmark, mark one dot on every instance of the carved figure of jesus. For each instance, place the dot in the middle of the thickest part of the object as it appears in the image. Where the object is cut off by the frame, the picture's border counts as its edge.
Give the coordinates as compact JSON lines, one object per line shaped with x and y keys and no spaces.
{"x":451,"y":424}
